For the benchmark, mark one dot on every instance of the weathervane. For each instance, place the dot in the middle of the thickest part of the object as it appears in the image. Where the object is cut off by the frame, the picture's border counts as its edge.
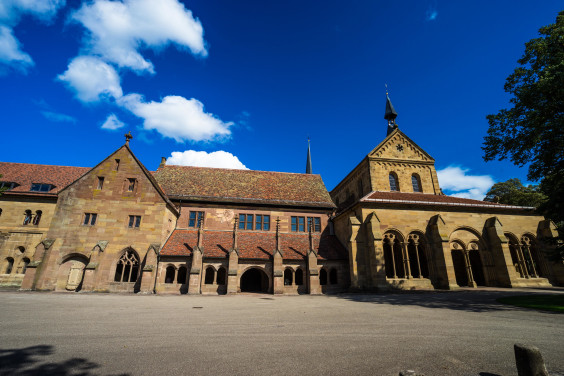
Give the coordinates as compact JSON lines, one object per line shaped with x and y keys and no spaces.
{"x":128,"y":137}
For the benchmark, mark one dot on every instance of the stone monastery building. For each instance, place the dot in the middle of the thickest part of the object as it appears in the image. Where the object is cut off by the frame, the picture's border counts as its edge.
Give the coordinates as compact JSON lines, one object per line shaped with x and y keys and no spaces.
{"x":119,"y":227}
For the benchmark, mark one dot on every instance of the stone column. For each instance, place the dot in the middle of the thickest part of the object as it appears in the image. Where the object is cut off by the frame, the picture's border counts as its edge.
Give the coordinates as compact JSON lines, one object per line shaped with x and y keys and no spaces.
{"x":313,"y":273}
{"x":149,"y":270}
{"x":468,"y":266}
{"x":405,"y":254}
{"x":376,"y":251}
{"x":416,"y":247}
{"x":354,"y":227}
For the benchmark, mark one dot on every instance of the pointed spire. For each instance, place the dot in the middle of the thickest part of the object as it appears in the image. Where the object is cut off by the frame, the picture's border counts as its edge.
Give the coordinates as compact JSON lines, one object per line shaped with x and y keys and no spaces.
{"x":390,"y":113}
{"x":308,"y":162}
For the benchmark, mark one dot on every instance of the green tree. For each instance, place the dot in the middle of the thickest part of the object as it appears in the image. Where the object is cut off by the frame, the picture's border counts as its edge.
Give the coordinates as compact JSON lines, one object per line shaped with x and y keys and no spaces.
{"x":513,"y":192}
{"x":532,"y":130}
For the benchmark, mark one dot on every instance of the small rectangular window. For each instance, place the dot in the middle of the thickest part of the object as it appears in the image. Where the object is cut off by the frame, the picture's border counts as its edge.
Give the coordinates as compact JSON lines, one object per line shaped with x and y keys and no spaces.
{"x":194,"y":218}
{"x":134,"y":221}
{"x":315,"y":222}
{"x":90,"y":219}
{"x":116,"y":165}
{"x":298,"y":224}
{"x":262,"y":222}
{"x":131,"y":184}
{"x":100,"y":182}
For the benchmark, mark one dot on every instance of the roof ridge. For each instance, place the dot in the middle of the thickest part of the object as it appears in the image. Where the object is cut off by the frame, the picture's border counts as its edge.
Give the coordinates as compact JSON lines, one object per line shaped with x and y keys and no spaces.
{"x":40,"y":164}
{"x":238,"y":169}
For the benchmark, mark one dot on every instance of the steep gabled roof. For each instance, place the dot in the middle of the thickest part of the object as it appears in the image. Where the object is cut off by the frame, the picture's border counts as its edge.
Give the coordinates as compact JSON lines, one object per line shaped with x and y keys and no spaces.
{"x":377,"y":151}
{"x":25,"y":175}
{"x":243,"y":186}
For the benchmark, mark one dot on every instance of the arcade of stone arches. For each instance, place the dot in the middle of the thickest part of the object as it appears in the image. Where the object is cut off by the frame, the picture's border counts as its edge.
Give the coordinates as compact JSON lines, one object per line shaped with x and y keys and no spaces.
{"x":472,"y":261}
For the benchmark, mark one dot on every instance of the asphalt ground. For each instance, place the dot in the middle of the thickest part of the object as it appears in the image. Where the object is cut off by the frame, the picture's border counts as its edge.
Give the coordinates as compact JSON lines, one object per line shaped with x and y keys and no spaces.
{"x":434,"y":333}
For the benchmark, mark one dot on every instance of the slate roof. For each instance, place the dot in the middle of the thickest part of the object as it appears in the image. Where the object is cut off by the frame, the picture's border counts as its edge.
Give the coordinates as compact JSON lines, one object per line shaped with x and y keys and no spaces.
{"x":243,"y":186}
{"x":25,"y":174}
{"x":431,"y":199}
{"x":254,"y":245}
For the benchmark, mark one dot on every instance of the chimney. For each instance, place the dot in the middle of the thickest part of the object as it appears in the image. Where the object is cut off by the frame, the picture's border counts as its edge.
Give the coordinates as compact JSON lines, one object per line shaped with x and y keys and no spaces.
{"x":163,"y":162}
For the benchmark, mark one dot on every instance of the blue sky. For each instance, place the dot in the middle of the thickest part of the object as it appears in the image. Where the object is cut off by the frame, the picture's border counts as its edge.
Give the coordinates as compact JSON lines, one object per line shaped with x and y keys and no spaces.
{"x":244,"y":83}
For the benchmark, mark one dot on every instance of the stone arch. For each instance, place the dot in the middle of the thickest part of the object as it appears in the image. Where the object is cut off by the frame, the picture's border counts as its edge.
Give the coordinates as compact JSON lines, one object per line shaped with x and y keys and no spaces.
{"x":209,"y":276}
{"x":170,"y":273}
{"x":254,"y":279}
{"x":71,"y":272}
{"x":9,"y":265}
{"x":221,"y":276}
{"x":322,"y":277}
{"x":23,"y":265}
{"x":516,"y":253}
{"x":127,"y":266}
{"x":394,"y":258}
{"x":182,"y":274}
{"x":533,"y":259}
{"x":299,"y":277}
{"x":288,"y":276}
{"x":418,"y":252}
{"x":468,"y":252}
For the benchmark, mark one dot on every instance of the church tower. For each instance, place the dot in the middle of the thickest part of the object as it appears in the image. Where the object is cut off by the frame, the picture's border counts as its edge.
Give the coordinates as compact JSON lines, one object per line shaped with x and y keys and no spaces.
{"x":397,"y":164}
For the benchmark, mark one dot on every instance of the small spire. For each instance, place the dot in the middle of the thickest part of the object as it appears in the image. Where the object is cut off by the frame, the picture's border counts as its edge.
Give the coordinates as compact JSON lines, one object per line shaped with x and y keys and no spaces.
{"x":390,"y":113}
{"x":128,"y":137}
{"x":308,"y":162}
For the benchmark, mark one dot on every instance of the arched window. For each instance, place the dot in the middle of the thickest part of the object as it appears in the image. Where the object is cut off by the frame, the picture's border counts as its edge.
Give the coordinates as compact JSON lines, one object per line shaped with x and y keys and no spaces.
{"x":127,"y":267}
{"x":9,"y":266}
{"x":322,"y":277}
{"x":181,"y":276}
{"x":394,"y":183}
{"x":25,"y":263}
{"x":27,"y":217}
{"x":299,"y":277}
{"x":37,"y":217}
{"x":221,"y":276}
{"x":20,"y":250}
{"x":210,"y":276}
{"x":416,"y":183}
{"x":333,"y":276}
{"x":170,"y":272}
{"x":288,"y":277}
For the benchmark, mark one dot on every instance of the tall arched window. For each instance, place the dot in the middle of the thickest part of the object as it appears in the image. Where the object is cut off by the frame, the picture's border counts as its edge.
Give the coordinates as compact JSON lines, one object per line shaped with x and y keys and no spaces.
{"x":288,"y":277}
{"x":9,"y":265}
{"x":322,"y":277}
{"x":416,"y":183}
{"x":394,"y":183}
{"x":37,"y":217}
{"x":181,"y":276}
{"x":221,"y":272}
{"x":127,"y":267}
{"x":170,"y":272}
{"x":25,"y":263}
{"x":210,"y":276}
{"x":299,"y":277}
{"x":333,"y":276}
{"x":27,"y":217}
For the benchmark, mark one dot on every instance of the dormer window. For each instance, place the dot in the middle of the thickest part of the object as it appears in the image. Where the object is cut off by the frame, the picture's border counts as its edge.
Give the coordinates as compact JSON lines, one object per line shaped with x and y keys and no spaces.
{"x":7,"y":185}
{"x":40,"y":187}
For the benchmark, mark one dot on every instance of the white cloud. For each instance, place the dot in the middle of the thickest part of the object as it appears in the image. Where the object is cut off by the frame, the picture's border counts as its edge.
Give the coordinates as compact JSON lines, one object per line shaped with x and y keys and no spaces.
{"x":117,"y":30}
{"x":10,"y":51}
{"x":456,"y":182}
{"x":58,"y":117}
{"x":113,"y":123}
{"x":91,"y":79}
{"x":178,"y":118}
{"x":219,"y":159}
{"x":11,"y":12}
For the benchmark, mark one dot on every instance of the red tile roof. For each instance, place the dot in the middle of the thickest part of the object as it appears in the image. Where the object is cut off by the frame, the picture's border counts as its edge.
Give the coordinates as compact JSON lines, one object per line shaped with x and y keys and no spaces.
{"x":246,"y":186}
{"x":254,"y":245}
{"x":25,"y":174}
{"x":423,"y":198}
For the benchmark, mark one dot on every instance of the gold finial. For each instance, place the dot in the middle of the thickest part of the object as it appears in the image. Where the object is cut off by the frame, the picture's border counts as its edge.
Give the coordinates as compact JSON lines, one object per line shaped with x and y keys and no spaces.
{"x":386,"y":85}
{"x":128,"y":137}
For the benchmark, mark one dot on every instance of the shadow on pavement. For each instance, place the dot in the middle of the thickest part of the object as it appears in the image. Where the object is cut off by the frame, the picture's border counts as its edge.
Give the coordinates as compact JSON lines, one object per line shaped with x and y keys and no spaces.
{"x":471,"y":301}
{"x":27,"y":361}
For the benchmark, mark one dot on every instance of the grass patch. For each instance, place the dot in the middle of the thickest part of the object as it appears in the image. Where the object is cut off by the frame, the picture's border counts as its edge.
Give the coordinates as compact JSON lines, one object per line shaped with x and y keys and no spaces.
{"x":554,"y":303}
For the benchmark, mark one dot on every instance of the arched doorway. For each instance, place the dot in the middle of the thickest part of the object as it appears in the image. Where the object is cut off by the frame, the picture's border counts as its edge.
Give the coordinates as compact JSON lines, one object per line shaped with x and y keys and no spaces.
{"x":254,"y":280}
{"x":460,"y":271}
{"x":71,"y":273}
{"x":476,"y":265}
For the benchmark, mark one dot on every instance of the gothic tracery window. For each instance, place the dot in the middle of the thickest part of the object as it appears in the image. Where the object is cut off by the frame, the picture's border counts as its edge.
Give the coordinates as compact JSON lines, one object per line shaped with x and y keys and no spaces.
{"x":127,"y":267}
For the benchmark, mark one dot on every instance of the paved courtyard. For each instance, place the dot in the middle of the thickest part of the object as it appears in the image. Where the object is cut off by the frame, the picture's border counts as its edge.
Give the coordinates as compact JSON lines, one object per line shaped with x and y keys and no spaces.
{"x":436,"y":333}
